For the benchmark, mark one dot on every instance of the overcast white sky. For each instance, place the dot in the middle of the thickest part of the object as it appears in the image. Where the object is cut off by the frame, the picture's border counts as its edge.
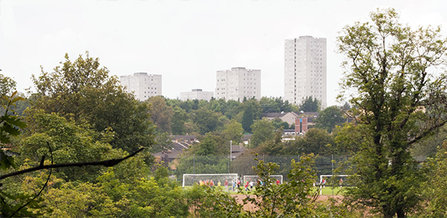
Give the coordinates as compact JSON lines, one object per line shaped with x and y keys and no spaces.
{"x":186,"y":41}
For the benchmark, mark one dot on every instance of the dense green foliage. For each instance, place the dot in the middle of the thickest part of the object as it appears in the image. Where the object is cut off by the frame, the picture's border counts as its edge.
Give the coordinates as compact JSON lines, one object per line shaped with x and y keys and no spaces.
{"x":263,"y":130}
{"x":81,"y":114}
{"x":208,"y":156}
{"x":388,"y":64}
{"x":84,"y":91}
{"x":310,"y":104}
{"x":69,"y":142}
{"x":329,"y":118}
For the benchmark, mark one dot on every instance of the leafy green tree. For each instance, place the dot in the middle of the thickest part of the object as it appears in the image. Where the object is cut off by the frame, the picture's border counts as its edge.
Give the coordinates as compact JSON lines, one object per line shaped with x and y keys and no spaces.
{"x":213,"y":105}
{"x":86,"y":200}
{"x":209,"y":202}
{"x":278,"y":123}
{"x":189,"y":105}
{"x":233,"y":131}
{"x":161,"y":114}
{"x":269,"y":105}
{"x":329,"y":118}
{"x":295,"y":198}
{"x":69,"y":142}
{"x":316,"y":141}
{"x":428,"y":146}
{"x":247,"y":119}
{"x":388,"y":63}
{"x":162,"y":141}
{"x":273,"y":146}
{"x":232,"y":108}
{"x":83,"y":90}
{"x":349,"y":139}
{"x":276,"y":105}
{"x":178,"y":121}
{"x":7,"y":86}
{"x":263,"y":130}
{"x":117,"y":193}
{"x":10,"y":126}
{"x":210,"y":144}
{"x":206,"y":120}
{"x":7,"y":93}
{"x":208,"y":156}
{"x":251,"y":111}
{"x":435,"y":188}
{"x":310,"y":104}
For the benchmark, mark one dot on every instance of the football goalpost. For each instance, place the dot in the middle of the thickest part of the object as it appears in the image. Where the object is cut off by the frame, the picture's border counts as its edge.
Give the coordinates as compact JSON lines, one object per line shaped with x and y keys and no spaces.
{"x":324,"y":183}
{"x":255,"y":178}
{"x":191,"y":179}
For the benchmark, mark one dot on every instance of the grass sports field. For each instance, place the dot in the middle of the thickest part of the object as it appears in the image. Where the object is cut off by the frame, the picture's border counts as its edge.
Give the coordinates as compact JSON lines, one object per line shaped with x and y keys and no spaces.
{"x":332,"y":191}
{"x":327,"y":191}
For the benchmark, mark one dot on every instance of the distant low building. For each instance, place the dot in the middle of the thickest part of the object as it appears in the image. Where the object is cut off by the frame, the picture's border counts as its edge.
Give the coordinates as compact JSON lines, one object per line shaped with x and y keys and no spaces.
{"x":172,"y":152}
{"x":246,"y":139}
{"x":288,"y":117}
{"x":196,"y":94}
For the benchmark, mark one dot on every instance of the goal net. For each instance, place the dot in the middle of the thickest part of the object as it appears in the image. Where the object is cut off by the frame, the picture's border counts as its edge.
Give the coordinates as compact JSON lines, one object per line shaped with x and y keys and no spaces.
{"x":216,"y":179}
{"x":255,"y":178}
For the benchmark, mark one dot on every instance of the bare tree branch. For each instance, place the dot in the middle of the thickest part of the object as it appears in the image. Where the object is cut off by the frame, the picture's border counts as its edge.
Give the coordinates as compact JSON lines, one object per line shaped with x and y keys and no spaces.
{"x":427,"y":132}
{"x":106,"y":163}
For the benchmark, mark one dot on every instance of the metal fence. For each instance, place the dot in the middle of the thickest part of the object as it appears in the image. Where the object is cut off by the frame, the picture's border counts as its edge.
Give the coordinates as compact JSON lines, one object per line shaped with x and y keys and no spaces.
{"x":243,"y":165}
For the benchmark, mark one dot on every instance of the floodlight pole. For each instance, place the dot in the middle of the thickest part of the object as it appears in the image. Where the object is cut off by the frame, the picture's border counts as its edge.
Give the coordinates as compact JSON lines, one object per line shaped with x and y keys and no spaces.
{"x":332,"y":162}
{"x":229,"y":159}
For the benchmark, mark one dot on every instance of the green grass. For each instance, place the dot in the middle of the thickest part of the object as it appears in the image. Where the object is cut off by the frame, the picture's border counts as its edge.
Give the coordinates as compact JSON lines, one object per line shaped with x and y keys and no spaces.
{"x":329,"y":191}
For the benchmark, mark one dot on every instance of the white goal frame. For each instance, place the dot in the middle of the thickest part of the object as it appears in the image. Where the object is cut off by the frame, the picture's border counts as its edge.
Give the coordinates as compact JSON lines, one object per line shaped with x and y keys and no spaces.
{"x":321,"y":180}
{"x":321,"y":177}
{"x":233,"y":176}
{"x":256,"y":177}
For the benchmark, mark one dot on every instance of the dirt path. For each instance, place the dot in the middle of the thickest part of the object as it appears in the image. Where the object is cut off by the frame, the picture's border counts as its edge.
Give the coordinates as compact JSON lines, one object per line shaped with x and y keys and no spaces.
{"x":250,"y":207}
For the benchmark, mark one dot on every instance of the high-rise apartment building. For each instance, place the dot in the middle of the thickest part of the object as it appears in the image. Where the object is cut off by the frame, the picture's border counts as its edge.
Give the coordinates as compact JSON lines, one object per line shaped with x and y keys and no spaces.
{"x":196,"y":94}
{"x":237,"y":83}
{"x":143,"y":85}
{"x":305,"y":69}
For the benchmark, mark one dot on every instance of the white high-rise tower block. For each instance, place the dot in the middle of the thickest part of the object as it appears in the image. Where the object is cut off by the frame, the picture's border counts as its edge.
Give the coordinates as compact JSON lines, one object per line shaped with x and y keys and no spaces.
{"x":142,"y":84}
{"x":237,"y":83}
{"x":305,"y":69}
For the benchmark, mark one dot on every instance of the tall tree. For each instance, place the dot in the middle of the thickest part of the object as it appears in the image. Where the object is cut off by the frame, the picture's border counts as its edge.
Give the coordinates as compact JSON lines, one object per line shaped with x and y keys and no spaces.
{"x":263,"y":130}
{"x":70,"y":143}
{"x":206,"y":120}
{"x":10,"y":122}
{"x":329,"y":118}
{"x":208,"y":156}
{"x":83,"y":90}
{"x":388,"y":64}
{"x":161,"y":114}
{"x":232,"y":108}
{"x":178,"y":121}
{"x":233,"y":131}
{"x":310,"y":105}
{"x":247,"y":118}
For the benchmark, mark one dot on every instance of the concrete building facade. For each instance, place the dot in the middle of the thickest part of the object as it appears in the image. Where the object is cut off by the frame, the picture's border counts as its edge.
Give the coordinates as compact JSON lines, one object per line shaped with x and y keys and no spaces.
{"x":237,"y":83}
{"x":143,"y":85}
{"x":196,"y":94}
{"x":305,"y":69}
